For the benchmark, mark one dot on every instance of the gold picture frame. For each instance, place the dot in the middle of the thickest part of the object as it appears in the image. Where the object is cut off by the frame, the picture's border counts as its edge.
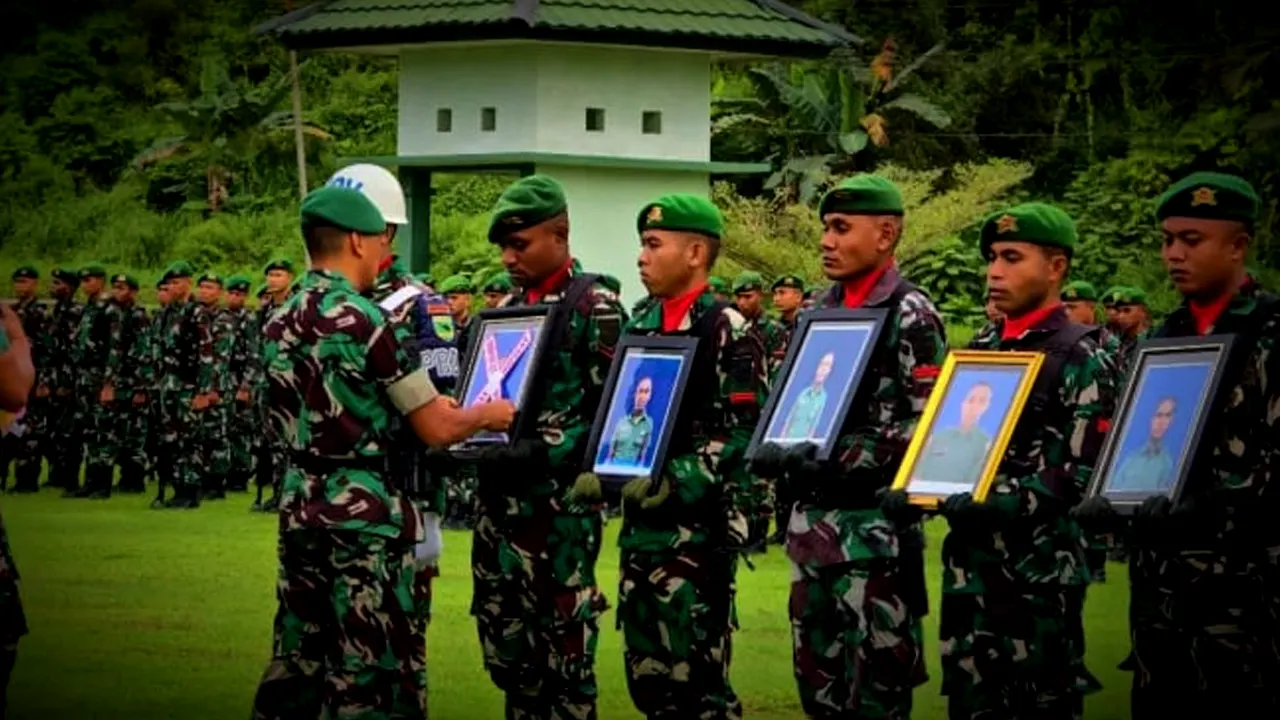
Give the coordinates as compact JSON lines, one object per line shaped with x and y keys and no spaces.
{"x":1008,"y":377}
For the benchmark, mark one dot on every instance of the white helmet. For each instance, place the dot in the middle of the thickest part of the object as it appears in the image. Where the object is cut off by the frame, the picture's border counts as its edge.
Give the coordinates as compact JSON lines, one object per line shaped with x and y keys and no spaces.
{"x":379,"y":185}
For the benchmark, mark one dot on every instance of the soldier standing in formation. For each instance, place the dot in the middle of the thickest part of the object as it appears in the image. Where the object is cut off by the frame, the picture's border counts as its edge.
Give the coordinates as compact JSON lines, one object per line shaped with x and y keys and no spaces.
{"x":496,"y":290}
{"x":684,"y":528}
{"x":64,"y":320}
{"x":719,"y":288}
{"x":148,"y":393}
{"x":211,"y":461}
{"x":244,"y":333}
{"x":788,"y":299}
{"x":1014,"y":566}
{"x":1129,"y":320}
{"x":858,"y":595}
{"x":348,"y":533}
{"x":129,"y":392}
{"x":457,"y":290}
{"x":25,"y":451}
{"x":272,"y":459}
{"x":91,"y":432}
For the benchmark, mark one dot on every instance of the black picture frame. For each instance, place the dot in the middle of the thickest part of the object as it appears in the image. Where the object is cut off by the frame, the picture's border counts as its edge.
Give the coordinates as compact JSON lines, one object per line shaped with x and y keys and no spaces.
{"x":527,"y":404}
{"x":630,"y":346}
{"x":873,"y":320}
{"x":1149,"y":355}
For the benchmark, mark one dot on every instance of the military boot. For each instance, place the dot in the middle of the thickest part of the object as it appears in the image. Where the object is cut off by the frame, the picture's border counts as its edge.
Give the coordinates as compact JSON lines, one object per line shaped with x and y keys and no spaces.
{"x":98,"y":482}
{"x":70,"y":482}
{"x":133,"y":478}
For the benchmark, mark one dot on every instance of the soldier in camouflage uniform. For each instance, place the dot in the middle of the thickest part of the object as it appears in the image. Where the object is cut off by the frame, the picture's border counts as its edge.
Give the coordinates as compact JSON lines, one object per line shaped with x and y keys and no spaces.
{"x":25,"y":450}
{"x":1014,"y":565}
{"x":244,"y":334}
{"x":130,"y":390}
{"x":684,"y":528}
{"x":1129,"y":319}
{"x":1080,"y":300}
{"x":272,"y":459}
{"x":147,"y":393}
{"x":858,"y":595}
{"x":1204,"y":574}
{"x":112,"y":339}
{"x":536,"y":602}
{"x":92,"y":435}
{"x":343,"y":633}
{"x":496,"y":289}
{"x":457,"y":290}
{"x":788,"y":299}
{"x":211,"y":461}
{"x":64,"y":321}
{"x":718,"y":287}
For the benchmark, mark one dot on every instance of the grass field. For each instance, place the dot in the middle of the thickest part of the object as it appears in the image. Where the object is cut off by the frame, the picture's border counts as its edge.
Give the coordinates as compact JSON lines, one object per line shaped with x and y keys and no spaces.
{"x":141,"y":614}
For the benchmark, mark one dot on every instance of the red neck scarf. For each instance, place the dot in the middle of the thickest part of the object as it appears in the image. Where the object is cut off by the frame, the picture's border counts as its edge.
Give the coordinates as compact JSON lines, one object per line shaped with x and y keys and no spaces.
{"x":1206,"y":314}
{"x":1014,"y":328}
{"x":675,"y":309}
{"x":857,"y":291}
{"x":547,"y":286}
{"x":386,"y":263}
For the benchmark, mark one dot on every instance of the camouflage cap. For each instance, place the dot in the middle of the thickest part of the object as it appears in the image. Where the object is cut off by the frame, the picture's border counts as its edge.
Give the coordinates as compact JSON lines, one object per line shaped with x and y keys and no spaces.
{"x":66,"y":275}
{"x":1036,"y":223}
{"x":748,"y":281}
{"x":525,"y":203}
{"x":1212,"y":196}
{"x":1080,"y":290}
{"x":456,"y":284}
{"x":790,"y":281}
{"x":125,"y":279}
{"x":343,"y":208}
{"x":862,"y":194}
{"x":26,"y":272}
{"x":93,"y":270}
{"x":279,"y":264}
{"x":238,"y":283}
{"x":682,"y":212}
{"x":1124,"y":295}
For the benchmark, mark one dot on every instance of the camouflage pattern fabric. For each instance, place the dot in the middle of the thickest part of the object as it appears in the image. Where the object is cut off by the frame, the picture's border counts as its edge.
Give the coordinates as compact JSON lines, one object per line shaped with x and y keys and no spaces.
{"x":782,"y":500}
{"x":1010,"y":625}
{"x":761,"y":498}
{"x":64,"y":322}
{"x":272,"y":456}
{"x":25,"y":451}
{"x":242,"y":431}
{"x":331,"y":361}
{"x":180,"y":342}
{"x":160,"y":462}
{"x":533,"y":557}
{"x":675,"y":603}
{"x":361,"y":582}
{"x":127,"y":376}
{"x":95,"y":434}
{"x":211,"y":462}
{"x":1204,"y":611}
{"x":850,"y":563}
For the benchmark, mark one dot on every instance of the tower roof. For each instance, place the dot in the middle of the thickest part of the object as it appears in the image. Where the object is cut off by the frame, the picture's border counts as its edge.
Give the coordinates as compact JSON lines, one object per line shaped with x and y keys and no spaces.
{"x":757,"y":27}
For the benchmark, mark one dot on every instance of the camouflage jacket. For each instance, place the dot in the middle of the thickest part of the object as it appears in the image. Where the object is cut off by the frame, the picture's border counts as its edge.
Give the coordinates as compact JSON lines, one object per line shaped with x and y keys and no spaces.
{"x":180,"y":340}
{"x":571,"y":380}
{"x":13,"y":623}
{"x":148,"y":377}
{"x":893,"y":392}
{"x":64,"y":322}
{"x":710,"y":497}
{"x":125,"y":346}
{"x":244,"y":343}
{"x":1126,"y":352}
{"x":1044,"y":472}
{"x":333,"y":363}
{"x":213,"y":328}
{"x":775,"y":336}
{"x":1235,"y":466}
{"x":99,"y":322}
{"x":34,"y":315}
{"x":266,"y":310}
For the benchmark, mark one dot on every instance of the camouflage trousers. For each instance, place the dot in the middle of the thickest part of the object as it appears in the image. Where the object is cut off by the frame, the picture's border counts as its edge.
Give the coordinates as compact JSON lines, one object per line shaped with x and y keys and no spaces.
{"x":1205,"y":642}
{"x":537,"y":611}
{"x":858,"y":649}
{"x":134,"y":428}
{"x":242,"y":436}
{"x":345,"y":632}
{"x":102,"y":433}
{"x":27,"y":452}
{"x":180,"y":427}
{"x":1011,"y":654}
{"x":459,"y":491}
{"x":675,"y":611}
{"x":212,"y":458}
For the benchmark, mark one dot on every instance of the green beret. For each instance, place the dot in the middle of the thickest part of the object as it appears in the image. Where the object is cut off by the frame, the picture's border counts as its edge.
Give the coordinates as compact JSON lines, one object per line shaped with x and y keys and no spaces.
{"x":209,"y":276}
{"x":456,"y":284}
{"x":426,"y":278}
{"x":683,"y":212}
{"x":1122,"y":295}
{"x":279,"y":264}
{"x":125,"y":279}
{"x":1034,"y":222}
{"x":164,"y":280}
{"x":180,"y":269}
{"x":499,"y":283}
{"x":343,"y":208}
{"x":26,"y":272}
{"x":1080,"y":290}
{"x":263,"y":291}
{"x":525,"y":203}
{"x":747,"y":281}
{"x":66,"y":275}
{"x":862,"y":194}
{"x":718,"y":285}
{"x":93,"y":270}
{"x":238,"y":283}
{"x":789,"y":281}
{"x":1210,"y":195}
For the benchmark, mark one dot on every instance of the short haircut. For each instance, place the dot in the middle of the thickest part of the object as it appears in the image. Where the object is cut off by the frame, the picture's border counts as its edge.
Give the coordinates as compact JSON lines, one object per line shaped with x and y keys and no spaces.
{"x":1053,"y":251}
{"x":713,"y":247}
{"x":324,"y":240}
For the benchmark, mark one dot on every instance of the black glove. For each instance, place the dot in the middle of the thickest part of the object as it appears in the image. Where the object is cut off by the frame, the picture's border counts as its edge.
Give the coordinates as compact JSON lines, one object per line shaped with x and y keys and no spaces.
{"x":964,"y":514}
{"x":1159,"y":521}
{"x":898,"y":508}
{"x":1096,"y":515}
{"x":801,"y":460}
{"x":769,"y":462}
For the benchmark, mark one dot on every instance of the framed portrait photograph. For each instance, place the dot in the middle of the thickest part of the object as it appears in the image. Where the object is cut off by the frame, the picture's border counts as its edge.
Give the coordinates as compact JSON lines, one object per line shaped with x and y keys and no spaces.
{"x":967,"y":424}
{"x":1168,"y":398}
{"x":818,"y":379}
{"x":506,"y":348}
{"x":638,"y":410}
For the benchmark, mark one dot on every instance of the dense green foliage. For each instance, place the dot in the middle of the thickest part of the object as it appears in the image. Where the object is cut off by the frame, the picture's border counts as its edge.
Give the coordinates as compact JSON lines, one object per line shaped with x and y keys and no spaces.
{"x":137,"y":131}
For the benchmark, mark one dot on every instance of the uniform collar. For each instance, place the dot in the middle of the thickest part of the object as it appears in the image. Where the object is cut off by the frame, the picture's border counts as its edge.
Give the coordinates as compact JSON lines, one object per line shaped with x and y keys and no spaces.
{"x":1184,"y":322}
{"x":1047,"y":319}
{"x":552,"y":283}
{"x":676,"y":310}
{"x":322,"y":279}
{"x":876,"y":287}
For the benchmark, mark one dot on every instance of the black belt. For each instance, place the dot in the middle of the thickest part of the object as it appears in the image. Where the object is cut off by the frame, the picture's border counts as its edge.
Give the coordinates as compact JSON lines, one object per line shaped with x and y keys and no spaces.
{"x":323,"y":464}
